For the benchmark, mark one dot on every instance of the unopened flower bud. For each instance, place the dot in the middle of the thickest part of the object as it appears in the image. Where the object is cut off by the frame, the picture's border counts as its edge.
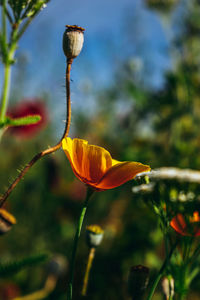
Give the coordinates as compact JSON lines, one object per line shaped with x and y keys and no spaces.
{"x":6,"y":221}
{"x":73,"y":39}
{"x":94,"y":235}
{"x":137,"y":281}
{"x":168,"y":287}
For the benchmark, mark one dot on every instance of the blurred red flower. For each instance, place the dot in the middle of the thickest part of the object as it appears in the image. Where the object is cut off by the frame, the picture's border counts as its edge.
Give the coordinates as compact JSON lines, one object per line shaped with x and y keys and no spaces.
{"x":25,"y":108}
{"x":9,"y":291}
{"x":190,"y":227}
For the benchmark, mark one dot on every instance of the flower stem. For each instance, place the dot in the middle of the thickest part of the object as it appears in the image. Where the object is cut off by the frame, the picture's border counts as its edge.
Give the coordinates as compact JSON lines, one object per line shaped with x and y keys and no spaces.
{"x":75,"y":245}
{"x":160,"y":273}
{"x":195,"y":254}
{"x":7,"y":76}
{"x":5,"y":91}
{"x":48,"y":288}
{"x":25,"y":170}
{"x":8,"y":54}
{"x":87,"y":272}
{"x":68,"y":99}
{"x":49,"y":150}
{"x":183,"y":292}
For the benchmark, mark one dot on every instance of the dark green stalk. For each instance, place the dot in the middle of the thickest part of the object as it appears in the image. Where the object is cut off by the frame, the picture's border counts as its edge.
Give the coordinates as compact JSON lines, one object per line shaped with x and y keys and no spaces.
{"x":160,"y":273}
{"x":182,"y":293}
{"x":75,"y":245}
{"x":195,"y":254}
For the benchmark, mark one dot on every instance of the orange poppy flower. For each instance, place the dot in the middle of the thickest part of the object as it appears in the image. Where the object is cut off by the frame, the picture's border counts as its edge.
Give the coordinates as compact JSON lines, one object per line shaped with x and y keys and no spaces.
{"x":186,"y":228}
{"x":94,"y":165}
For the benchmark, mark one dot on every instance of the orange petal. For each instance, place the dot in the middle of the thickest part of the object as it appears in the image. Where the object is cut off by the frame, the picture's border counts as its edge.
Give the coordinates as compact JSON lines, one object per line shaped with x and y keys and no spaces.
{"x":78,"y":153}
{"x":115,"y":162}
{"x":89,"y":163}
{"x":68,"y":147}
{"x":178,"y":224}
{"x":96,"y":161}
{"x":121,"y":173}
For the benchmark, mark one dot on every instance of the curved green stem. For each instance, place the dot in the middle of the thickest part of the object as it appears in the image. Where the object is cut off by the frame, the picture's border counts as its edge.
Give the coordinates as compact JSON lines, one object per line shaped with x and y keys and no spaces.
{"x":154,"y":286}
{"x":75,"y":245}
{"x":160,"y":273}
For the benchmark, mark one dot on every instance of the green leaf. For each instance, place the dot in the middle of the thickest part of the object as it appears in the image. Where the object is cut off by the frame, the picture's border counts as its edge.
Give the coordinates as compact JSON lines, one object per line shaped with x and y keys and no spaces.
{"x":13,"y":267}
{"x":28,"y":120}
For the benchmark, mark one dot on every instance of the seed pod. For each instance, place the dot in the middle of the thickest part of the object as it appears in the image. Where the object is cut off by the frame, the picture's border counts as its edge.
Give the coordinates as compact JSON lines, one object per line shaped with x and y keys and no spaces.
{"x":6,"y":221}
{"x":73,"y":39}
{"x":94,"y":235}
{"x":137,"y":281}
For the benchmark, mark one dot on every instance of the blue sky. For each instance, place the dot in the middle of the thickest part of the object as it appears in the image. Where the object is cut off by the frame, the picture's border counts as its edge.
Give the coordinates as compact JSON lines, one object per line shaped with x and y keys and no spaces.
{"x":105,"y":40}
{"x":115,"y":31}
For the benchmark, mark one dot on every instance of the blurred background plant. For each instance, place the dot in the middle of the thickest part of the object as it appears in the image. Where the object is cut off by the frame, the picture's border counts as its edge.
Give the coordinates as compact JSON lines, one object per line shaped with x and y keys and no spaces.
{"x":136,"y":116}
{"x":19,"y":14}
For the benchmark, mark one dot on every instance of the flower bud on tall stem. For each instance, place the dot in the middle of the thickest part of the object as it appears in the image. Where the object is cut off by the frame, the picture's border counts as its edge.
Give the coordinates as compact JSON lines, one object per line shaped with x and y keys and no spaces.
{"x":73,"y":39}
{"x":94,"y":236}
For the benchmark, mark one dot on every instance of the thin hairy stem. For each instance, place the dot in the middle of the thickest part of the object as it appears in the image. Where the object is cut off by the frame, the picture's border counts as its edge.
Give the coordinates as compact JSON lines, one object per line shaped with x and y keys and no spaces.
{"x":49,"y":150}
{"x":25,"y":170}
{"x":68,"y":99}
